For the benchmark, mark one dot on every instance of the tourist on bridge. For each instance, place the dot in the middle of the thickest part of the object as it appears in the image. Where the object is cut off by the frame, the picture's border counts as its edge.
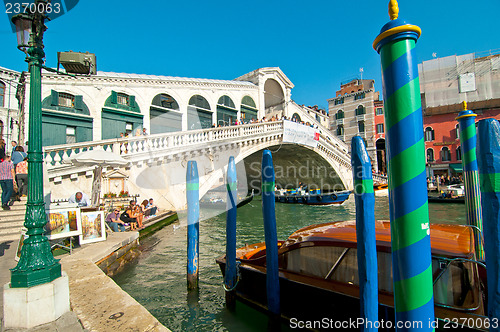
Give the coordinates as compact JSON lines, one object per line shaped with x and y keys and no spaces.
{"x":113,"y":220}
{"x":79,"y":198}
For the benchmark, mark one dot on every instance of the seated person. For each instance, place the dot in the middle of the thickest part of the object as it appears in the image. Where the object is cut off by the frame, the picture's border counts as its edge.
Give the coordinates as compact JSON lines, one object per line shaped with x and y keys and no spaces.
{"x":130,"y":216}
{"x":151,"y":208}
{"x":79,"y":198}
{"x":113,"y":220}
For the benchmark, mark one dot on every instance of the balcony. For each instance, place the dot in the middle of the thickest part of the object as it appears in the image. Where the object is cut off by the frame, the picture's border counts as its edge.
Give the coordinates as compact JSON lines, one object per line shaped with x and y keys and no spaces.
{"x":340,"y":121}
{"x":360,"y":117}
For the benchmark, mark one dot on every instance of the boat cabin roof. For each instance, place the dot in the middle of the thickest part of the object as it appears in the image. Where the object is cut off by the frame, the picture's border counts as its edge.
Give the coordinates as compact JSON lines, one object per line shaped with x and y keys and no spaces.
{"x":446,"y":240}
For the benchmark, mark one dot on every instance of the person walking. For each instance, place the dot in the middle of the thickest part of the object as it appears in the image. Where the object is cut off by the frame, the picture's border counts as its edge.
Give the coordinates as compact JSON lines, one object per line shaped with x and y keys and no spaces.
{"x":22,"y":177}
{"x":7,"y":182}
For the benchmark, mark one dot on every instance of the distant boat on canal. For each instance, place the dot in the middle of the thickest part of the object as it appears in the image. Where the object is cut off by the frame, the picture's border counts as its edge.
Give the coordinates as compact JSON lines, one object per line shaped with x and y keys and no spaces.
{"x":318,"y":274}
{"x":311,"y":197}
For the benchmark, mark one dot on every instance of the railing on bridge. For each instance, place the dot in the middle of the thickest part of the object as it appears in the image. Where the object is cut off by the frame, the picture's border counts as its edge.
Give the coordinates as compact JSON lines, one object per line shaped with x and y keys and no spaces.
{"x":127,"y":147}
{"x":131,"y":147}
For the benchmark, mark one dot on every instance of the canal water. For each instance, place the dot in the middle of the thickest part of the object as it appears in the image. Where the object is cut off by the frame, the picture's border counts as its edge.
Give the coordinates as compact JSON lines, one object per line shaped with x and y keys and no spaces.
{"x":158,"y":279}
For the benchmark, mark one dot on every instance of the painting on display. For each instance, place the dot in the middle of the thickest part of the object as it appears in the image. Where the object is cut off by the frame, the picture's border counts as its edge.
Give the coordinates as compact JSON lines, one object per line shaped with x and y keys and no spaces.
{"x":93,"y":227}
{"x":63,"y":223}
{"x":20,"y":244}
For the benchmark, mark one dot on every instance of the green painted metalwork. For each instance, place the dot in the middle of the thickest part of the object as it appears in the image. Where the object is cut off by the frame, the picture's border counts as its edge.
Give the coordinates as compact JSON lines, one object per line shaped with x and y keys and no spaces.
{"x":36,"y":265}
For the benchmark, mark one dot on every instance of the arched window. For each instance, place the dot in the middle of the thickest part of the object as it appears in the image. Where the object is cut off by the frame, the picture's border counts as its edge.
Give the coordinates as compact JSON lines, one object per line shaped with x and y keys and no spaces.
{"x":445,"y":154}
{"x":340,"y":130}
{"x":459,"y":153}
{"x":226,"y":111}
{"x":360,"y":110}
{"x":199,"y":113}
{"x":429,"y":134}
{"x":248,"y":109}
{"x":430,"y":155}
{"x":457,"y":130}
{"x":164,"y":115}
{"x":339,"y":115}
{"x":2,"y":93}
{"x":361,"y":126}
{"x":296,"y":117}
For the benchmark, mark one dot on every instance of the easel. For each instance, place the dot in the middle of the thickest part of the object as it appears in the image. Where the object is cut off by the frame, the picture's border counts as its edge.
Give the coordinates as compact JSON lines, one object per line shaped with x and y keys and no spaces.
{"x":58,"y":243}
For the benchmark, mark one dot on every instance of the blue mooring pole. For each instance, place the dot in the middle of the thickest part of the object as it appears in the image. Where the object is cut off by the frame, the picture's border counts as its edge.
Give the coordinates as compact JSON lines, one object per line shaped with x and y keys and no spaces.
{"x":488,"y":157}
{"x":193,"y":224}
{"x":365,"y":233}
{"x":272,"y":272}
{"x":230,"y":277}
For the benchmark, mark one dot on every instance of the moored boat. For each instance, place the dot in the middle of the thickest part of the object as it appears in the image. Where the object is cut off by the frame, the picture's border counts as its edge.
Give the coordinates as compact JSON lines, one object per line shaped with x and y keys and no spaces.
{"x":381,"y":189}
{"x":318,"y":274}
{"x":441,"y":199}
{"x":311,"y":197}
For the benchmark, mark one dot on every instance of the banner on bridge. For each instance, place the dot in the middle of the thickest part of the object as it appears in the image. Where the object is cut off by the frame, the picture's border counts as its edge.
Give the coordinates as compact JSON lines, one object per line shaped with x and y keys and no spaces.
{"x":297,"y":133}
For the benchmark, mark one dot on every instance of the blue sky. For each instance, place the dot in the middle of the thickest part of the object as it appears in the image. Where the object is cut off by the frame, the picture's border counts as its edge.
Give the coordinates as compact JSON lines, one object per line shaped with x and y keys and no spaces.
{"x":316,"y":43}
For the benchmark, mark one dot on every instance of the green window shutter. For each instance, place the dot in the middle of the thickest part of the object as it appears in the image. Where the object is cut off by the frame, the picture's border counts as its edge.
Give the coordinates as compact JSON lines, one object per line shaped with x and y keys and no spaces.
{"x":114,"y":97}
{"x":131,"y":101}
{"x":79,"y":102}
{"x":54,"y":98}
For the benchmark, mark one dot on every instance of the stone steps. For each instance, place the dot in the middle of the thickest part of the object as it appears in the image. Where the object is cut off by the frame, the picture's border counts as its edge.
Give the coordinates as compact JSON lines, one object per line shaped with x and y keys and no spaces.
{"x":11,"y":221}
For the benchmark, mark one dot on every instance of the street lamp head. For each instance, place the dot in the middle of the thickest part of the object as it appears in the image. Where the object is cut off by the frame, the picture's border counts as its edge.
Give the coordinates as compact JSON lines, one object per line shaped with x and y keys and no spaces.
{"x":24,"y":26}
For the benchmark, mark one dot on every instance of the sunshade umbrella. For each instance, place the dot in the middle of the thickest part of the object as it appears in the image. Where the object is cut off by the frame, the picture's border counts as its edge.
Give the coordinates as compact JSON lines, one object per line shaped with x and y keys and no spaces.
{"x":97,"y":158}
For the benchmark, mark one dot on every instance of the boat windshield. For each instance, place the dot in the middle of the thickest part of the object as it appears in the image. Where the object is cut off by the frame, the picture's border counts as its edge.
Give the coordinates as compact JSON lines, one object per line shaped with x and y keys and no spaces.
{"x":455,"y":281}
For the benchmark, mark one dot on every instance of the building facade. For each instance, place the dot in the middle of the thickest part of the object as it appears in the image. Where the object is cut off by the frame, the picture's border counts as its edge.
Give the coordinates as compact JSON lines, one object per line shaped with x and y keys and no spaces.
{"x":106,"y":105}
{"x":352,"y":113}
{"x":11,"y":105}
{"x":444,"y":84}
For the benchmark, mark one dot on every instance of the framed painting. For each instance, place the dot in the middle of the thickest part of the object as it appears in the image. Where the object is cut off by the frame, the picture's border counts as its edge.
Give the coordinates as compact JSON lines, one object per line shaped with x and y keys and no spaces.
{"x":63,"y":223}
{"x":93,"y":227}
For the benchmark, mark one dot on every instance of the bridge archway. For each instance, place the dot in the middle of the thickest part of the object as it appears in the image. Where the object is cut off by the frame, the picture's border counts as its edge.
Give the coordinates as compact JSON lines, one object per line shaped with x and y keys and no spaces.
{"x":199,"y":113}
{"x":274,"y":97}
{"x":293,"y":164}
{"x":165,"y":115}
{"x":226,"y":111}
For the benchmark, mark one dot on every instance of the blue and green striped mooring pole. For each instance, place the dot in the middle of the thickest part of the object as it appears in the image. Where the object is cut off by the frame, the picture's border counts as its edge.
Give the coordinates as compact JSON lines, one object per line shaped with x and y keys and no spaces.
{"x":193,"y":224}
{"x":365,"y":233}
{"x":408,"y":207}
{"x":467,"y":127}
{"x":231,"y":275}
{"x":489,"y":174}
{"x":268,"y":206}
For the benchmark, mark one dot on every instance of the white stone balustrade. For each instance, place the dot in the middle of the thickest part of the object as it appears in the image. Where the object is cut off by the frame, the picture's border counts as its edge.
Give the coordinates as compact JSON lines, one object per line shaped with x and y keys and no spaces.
{"x":146,"y":149}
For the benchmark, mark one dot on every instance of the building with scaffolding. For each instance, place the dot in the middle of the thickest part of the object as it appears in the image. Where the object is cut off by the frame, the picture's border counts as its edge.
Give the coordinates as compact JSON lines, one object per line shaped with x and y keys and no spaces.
{"x":444,"y":84}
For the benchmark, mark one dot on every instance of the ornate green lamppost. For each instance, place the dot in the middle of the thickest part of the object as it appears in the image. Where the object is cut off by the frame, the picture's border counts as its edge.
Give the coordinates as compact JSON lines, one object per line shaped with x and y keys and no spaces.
{"x":37,"y":264}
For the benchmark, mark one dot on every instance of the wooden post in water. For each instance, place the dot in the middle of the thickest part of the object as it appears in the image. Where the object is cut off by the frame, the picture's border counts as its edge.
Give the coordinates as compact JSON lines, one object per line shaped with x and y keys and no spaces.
{"x":408,"y":206}
{"x":231,"y":273}
{"x":272,"y":273}
{"x":193,"y":224}
{"x":467,"y":125}
{"x":365,"y":233}
{"x":489,"y":174}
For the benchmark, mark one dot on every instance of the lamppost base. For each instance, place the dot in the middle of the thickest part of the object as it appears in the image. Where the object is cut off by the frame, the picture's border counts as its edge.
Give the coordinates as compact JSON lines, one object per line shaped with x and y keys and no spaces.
{"x":30,"y":278}
{"x":32,"y":306}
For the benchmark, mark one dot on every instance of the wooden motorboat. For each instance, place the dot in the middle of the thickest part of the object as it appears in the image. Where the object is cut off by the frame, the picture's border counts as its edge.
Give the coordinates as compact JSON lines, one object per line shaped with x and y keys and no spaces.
{"x":311,"y":197}
{"x":319,"y":274}
{"x":381,"y":189}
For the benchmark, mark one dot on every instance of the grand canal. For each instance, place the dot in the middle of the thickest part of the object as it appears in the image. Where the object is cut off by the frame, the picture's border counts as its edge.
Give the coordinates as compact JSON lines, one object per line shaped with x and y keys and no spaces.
{"x":158,"y":279}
